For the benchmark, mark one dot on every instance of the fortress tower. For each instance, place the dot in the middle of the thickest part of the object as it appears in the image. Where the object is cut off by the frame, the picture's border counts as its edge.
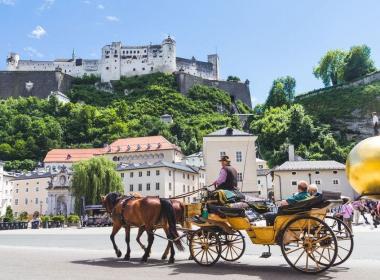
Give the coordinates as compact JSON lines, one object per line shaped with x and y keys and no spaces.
{"x":168,"y":55}
{"x":12,"y":61}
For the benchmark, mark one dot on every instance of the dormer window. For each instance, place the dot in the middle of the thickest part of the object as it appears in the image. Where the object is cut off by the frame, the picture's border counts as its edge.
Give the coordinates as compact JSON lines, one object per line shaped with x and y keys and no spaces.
{"x":138,"y":146}
{"x":148,"y":146}
{"x":158,"y":145}
{"x":68,"y":157}
{"x":128,"y":147}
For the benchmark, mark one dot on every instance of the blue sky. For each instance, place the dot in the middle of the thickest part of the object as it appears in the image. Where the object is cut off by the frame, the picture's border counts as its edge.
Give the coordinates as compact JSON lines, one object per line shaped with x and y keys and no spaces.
{"x":256,"y":40}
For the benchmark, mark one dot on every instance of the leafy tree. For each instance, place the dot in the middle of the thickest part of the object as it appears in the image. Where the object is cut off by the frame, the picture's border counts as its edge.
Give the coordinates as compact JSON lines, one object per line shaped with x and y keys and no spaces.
{"x":358,"y":63}
{"x":8,"y":214}
{"x":20,"y":165}
{"x":331,"y":67}
{"x":93,"y":178}
{"x":23,"y":216}
{"x":233,"y":79}
{"x":281,"y":92}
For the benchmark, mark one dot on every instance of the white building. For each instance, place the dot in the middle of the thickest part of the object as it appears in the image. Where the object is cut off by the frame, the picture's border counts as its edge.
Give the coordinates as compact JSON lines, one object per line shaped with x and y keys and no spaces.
{"x":162,"y":178}
{"x":240,"y":147}
{"x":6,"y":189}
{"x":264,"y":178}
{"x":195,"y":159}
{"x":328,"y":175}
{"x":119,"y":61}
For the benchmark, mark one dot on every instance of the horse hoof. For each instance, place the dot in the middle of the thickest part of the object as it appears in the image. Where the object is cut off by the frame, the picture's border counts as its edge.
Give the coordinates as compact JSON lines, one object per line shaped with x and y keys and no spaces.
{"x":190,"y":258}
{"x":171,"y":260}
{"x":127,"y":258}
{"x":144,"y":260}
{"x":163,"y":257}
{"x":118,"y":253}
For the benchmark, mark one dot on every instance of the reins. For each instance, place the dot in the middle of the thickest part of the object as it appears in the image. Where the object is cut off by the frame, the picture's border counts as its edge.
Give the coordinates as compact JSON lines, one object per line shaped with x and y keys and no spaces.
{"x":185,"y":194}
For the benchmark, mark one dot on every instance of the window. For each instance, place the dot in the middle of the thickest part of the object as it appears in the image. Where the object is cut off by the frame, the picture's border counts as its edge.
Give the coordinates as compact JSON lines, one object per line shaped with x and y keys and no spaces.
{"x":47,"y":200}
{"x":134,"y":69}
{"x":140,"y":173}
{"x":294,"y":173}
{"x":26,"y":201}
{"x":316,"y":172}
{"x":148,"y":186}
{"x":140,"y":187}
{"x":151,"y":68}
{"x":16,"y":201}
{"x":238,"y":156}
{"x":16,"y":190}
{"x":188,"y":176}
{"x":294,"y":183}
{"x":317,"y":182}
{"x":122,"y":175}
{"x":131,"y":174}
{"x":258,"y":181}
{"x":37,"y":189}
{"x":222,"y":154}
{"x":36,"y":200}
{"x":157,"y":172}
{"x":157,"y":186}
{"x":240,"y":177}
{"x":38,"y":183}
{"x":188,"y":188}
{"x":170,"y":186}
{"x":261,"y":166}
{"x":183,"y":175}
{"x":335,"y":181}
{"x":335,"y":172}
{"x":131,"y":188}
{"x":143,"y":68}
{"x":193,"y":178}
{"x":170,"y":173}
{"x":148,"y":173}
{"x":26,"y":190}
{"x":184,"y":189}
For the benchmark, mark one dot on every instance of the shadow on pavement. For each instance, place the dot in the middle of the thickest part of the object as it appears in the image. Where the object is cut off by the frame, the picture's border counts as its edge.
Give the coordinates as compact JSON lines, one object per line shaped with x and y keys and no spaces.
{"x":223,"y":268}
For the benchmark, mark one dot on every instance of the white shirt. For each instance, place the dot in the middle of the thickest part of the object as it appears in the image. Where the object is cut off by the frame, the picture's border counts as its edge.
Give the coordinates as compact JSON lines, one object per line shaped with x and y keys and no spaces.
{"x":375,"y":119}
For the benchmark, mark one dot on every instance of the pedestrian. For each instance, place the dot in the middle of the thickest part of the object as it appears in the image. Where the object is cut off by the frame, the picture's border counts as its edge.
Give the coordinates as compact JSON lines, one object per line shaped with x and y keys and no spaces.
{"x":85,"y":220}
{"x":358,"y":209}
{"x":347,"y":212}
{"x":375,"y":122}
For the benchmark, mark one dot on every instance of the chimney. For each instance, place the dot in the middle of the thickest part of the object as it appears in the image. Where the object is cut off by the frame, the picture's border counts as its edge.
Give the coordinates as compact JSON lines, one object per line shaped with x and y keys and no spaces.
{"x":291,"y":152}
{"x":229,"y":131}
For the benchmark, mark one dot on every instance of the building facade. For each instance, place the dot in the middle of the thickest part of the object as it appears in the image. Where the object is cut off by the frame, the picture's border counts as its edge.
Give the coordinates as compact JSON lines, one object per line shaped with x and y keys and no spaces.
{"x":240,"y":147}
{"x":6,"y":189}
{"x":119,"y":61}
{"x":195,"y":160}
{"x":30,"y":193}
{"x":328,"y":175}
{"x":163,"y":179}
{"x":264,"y":179}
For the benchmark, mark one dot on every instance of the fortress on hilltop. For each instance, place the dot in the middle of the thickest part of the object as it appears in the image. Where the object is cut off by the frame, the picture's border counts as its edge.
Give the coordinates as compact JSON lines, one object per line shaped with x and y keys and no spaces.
{"x":42,"y":78}
{"x":118,"y":60}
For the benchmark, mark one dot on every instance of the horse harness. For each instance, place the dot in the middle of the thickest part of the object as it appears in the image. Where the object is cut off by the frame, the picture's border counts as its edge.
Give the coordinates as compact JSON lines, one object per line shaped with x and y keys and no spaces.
{"x":124,"y":203}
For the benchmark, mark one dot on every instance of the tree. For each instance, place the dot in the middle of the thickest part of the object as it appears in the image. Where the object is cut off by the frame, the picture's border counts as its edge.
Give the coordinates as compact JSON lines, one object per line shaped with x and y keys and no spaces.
{"x":331,"y":67}
{"x":233,"y":79}
{"x":93,"y":178}
{"x":358,"y":63}
{"x":8,"y":214}
{"x":281,"y":92}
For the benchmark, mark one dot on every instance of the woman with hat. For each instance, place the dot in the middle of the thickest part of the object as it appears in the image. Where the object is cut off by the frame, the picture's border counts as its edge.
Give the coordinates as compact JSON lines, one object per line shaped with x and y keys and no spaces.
{"x":227,"y":179}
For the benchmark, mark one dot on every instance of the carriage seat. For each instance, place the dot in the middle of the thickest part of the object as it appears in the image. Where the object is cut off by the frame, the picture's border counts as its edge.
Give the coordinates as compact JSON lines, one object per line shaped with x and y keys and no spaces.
{"x":319,"y":201}
{"x":224,"y":211}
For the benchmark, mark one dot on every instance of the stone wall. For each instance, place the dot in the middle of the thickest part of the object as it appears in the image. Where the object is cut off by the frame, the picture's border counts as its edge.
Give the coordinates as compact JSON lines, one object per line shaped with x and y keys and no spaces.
{"x":42,"y":83}
{"x":237,"y":90}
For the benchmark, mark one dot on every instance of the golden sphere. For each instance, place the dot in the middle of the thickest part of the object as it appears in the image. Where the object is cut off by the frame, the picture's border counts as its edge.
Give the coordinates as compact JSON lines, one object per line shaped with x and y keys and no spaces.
{"x":363,"y":167}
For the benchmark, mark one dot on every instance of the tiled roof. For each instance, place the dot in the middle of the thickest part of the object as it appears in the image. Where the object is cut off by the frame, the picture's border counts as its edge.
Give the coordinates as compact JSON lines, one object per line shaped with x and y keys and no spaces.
{"x":311,"y":165}
{"x":199,"y":154}
{"x":33,"y":175}
{"x":126,"y":145}
{"x":224,"y":132}
{"x":145,"y":165}
{"x":72,"y":155}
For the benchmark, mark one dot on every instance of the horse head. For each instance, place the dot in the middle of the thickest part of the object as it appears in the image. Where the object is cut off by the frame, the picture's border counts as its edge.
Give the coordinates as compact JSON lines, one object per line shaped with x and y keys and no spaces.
{"x":110,"y":200}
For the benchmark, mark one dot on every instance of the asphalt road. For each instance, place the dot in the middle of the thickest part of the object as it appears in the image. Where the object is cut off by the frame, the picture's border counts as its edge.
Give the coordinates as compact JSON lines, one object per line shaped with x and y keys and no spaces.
{"x":87,"y":254}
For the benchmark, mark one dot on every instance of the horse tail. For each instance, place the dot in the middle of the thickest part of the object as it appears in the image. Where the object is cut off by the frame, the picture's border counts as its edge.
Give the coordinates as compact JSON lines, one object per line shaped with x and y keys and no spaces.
{"x":167,"y":211}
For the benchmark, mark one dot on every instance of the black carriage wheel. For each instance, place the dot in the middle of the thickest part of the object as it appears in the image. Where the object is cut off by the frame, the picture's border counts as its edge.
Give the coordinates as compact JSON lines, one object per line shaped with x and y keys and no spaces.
{"x":232,"y":246}
{"x":205,"y":247}
{"x":344,"y":237}
{"x":305,"y":241}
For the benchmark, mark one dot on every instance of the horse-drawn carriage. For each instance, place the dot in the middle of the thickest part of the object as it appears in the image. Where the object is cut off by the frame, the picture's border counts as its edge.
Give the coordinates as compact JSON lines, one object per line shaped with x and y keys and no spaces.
{"x":310,"y":241}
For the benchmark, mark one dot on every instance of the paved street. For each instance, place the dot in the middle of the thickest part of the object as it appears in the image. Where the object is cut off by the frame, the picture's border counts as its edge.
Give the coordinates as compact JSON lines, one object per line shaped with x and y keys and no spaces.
{"x":87,"y":254}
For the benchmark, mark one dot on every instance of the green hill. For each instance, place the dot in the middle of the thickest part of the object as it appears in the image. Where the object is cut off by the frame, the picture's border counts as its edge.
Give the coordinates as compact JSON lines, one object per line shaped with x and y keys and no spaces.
{"x":346,"y":108}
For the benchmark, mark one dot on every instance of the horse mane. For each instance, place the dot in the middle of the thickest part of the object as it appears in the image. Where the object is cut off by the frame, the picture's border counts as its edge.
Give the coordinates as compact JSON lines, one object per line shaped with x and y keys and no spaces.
{"x":113,"y":198}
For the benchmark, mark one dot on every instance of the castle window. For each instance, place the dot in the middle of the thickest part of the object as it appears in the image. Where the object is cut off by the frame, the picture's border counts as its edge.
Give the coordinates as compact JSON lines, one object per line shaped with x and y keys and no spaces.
{"x":134,"y":51}
{"x":134,"y":69}
{"x":115,"y":56}
{"x":143,"y":69}
{"x":107,"y":56}
{"x":138,"y":51}
{"x":107,"y":68}
{"x":144,"y":51}
{"x":151,"y":68}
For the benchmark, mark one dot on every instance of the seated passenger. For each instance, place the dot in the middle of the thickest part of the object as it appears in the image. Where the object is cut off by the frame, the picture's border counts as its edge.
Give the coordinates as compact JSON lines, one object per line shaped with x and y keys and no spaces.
{"x":312,"y":190}
{"x":301,"y":195}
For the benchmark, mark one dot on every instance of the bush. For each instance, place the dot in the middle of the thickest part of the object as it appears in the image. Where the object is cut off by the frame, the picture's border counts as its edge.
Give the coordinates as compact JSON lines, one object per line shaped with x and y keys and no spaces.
{"x":58,"y":218}
{"x":72,"y":219}
{"x":23,"y":217}
{"x":45,"y":219}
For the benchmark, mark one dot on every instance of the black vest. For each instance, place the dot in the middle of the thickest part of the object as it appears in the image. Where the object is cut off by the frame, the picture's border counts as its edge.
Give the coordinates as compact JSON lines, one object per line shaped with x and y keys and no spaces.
{"x":231,"y":180}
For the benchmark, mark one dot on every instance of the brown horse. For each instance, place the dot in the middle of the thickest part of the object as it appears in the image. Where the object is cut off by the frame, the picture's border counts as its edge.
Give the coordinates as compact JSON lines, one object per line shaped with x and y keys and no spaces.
{"x":147,"y":212}
{"x":179,"y":210}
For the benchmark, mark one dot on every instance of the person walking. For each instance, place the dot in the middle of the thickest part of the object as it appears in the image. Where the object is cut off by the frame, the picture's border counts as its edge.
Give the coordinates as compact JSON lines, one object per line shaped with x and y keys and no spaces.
{"x":375,"y":122}
{"x":347,"y":212}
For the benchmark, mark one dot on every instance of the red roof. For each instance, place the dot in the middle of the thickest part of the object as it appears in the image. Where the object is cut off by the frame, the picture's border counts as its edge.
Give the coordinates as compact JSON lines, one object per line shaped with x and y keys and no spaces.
{"x":126,"y":145}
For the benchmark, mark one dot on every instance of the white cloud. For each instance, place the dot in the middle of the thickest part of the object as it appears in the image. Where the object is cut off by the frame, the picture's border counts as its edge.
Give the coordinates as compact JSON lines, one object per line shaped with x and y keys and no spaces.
{"x":112,"y":18}
{"x":100,"y":7}
{"x":32,"y":52}
{"x":87,"y":2}
{"x":38,"y":32}
{"x":46,"y":5}
{"x":8,"y":2}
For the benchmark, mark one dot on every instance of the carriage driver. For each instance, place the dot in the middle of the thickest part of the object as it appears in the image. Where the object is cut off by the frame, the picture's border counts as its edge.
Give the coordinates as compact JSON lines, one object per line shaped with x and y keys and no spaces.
{"x":227,"y":179}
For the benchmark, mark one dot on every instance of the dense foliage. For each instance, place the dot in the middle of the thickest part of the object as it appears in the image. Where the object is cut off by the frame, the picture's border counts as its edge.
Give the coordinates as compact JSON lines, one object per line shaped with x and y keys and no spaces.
{"x":339,"y":66}
{"x":93,"y":178}
{"x":30,"y":127}
{"x":281,"y":92}
{"x":278,"y":127}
